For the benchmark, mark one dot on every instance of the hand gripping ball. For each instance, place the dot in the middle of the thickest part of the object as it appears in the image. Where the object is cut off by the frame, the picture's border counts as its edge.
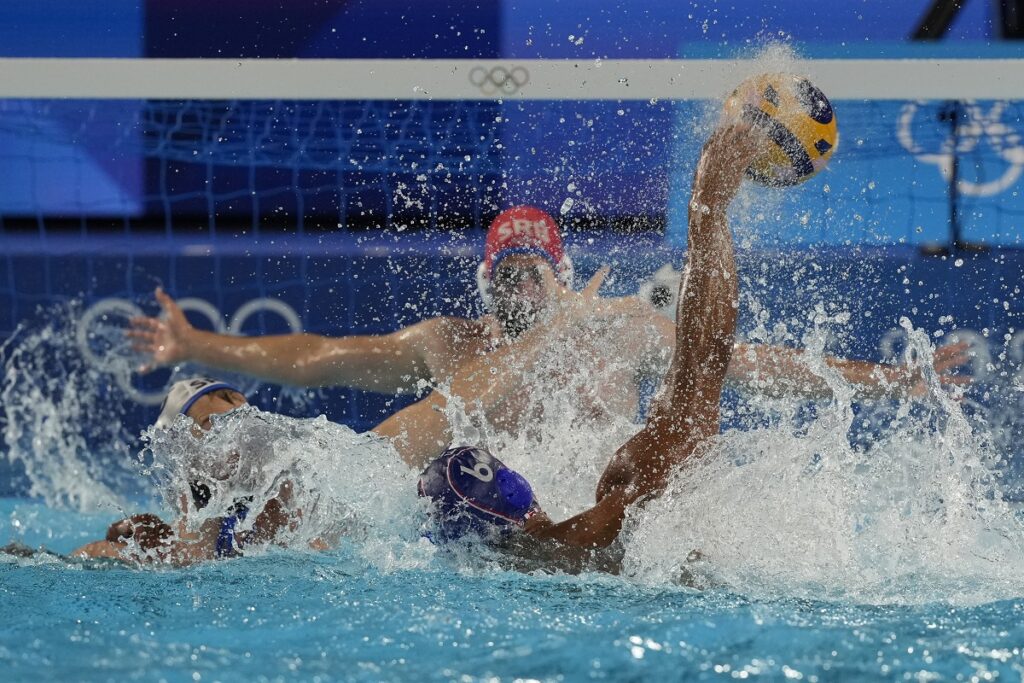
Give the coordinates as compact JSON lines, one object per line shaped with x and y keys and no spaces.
{"x":797,"y":120}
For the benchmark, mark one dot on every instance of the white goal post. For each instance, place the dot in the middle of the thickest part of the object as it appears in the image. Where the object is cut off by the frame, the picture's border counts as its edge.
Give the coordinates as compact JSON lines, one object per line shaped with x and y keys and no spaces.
{"x":470,"y":79}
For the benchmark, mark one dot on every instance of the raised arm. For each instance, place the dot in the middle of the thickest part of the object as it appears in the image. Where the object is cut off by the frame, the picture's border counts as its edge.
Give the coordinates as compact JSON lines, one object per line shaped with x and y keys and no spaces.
{"x":389,"y":363}
{"x":686,"y":412}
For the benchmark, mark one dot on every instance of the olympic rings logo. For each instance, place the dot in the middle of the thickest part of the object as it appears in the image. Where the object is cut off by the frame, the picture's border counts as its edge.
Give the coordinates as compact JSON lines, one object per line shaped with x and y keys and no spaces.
{"x":115,"y":307}
{"x":499,"y":80}
{"x":1004,"y":141}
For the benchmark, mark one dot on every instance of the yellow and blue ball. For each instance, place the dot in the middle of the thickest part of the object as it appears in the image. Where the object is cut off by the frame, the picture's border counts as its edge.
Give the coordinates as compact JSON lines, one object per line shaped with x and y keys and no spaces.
{"x":797,"y":120}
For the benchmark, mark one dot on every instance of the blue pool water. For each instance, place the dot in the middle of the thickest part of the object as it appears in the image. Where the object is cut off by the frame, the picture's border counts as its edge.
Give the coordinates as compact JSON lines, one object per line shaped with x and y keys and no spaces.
{"x":332,"y":616}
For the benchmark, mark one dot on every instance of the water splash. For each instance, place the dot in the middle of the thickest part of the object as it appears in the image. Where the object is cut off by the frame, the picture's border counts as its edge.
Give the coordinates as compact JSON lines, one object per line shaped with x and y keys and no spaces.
{"x":571,"y":407}
{"x":790,"y":506}
{"x":796,"y":510}
{"x":61,"y":415}
{"x":344,"y":485}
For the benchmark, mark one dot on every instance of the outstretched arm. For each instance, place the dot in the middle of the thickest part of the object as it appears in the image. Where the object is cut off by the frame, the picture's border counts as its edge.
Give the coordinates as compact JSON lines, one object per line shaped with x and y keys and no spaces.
{"x":780,"y":370}
{"x":686,"y":413}
{"x":783,"y":371}
{"x":389,"y":363}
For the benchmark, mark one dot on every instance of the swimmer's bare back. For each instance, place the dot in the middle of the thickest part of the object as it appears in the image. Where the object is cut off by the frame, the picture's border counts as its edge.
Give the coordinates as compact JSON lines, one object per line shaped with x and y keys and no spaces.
{"x":685,"y":415}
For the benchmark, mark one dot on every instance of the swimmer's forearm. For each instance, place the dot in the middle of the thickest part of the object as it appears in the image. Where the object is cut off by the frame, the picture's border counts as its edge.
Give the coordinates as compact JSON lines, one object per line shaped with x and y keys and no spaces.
{"x":282,"y":359}
{"x":597,"y":527}
{"x":705,"y":320}
{"x":782,"y":371}
{"x":373,"y":363}
{"x":686,"y":411}
{"x":874,"y":380}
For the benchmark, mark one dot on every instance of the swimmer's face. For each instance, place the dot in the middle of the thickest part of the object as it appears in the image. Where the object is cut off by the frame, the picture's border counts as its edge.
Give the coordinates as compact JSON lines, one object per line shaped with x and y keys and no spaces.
{"x":215,"y":403}
{"x":521,"y":287}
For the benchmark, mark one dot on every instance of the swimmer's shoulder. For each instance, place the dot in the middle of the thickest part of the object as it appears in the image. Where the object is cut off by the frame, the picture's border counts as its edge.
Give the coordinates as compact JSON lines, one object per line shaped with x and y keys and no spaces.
{"x":455,"y":328}
{"x":447,"y":339}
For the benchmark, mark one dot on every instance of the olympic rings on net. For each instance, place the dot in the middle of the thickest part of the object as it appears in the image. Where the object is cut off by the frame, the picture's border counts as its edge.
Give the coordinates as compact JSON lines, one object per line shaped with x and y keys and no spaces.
{"x":498,"y":79}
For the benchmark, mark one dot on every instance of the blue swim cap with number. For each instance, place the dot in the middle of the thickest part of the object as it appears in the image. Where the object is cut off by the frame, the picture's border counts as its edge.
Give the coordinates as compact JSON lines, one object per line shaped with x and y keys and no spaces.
{"x":473,"y":491}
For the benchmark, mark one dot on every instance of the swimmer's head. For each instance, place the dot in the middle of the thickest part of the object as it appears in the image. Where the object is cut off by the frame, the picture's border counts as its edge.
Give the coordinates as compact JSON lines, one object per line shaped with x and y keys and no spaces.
{"x":524,"y":261}
{"x":474,"y":492}
{"x":200,"y":398}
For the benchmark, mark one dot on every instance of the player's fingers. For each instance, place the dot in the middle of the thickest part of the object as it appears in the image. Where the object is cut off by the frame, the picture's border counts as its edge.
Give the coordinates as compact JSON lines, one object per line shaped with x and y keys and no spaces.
{"x":142,"y":322}
{"x":166,"y":302}
{"x":948,"y":364}
{"x":737,"y":133}
{"x":145,"y":348}
{"x":952,"y":356}
{"x":941,"y":365}
{"x":144,"y":345}
{"x":956,"y":349}
{"x":140,"y":334}
{"x":594,"y":284}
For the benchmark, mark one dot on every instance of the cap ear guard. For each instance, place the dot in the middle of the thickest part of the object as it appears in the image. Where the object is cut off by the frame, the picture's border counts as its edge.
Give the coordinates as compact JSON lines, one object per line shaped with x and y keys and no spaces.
{"x":565,"y":273}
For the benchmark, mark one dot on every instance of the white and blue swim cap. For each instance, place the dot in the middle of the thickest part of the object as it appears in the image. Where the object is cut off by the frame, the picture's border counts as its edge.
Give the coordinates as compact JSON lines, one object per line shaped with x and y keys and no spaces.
{"x":182,"y":395}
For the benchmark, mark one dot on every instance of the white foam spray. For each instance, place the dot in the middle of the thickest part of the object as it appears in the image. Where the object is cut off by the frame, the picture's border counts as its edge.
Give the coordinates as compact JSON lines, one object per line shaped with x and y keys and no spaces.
{"x":343,"y":485}
{"x":61,"y":416}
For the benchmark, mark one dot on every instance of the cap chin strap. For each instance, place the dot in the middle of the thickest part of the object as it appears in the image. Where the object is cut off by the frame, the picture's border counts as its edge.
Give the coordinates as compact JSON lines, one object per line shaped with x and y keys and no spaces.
{"x":565,"y":273}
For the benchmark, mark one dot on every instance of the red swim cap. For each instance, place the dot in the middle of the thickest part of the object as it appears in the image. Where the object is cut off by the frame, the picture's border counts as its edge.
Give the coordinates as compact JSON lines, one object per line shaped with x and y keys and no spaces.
{"x":523,"y":230}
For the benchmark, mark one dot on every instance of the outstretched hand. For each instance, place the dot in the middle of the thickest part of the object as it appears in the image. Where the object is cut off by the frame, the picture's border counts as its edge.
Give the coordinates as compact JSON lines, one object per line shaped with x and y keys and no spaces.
{"x":165,"y":339}
{"x":575,"y":308}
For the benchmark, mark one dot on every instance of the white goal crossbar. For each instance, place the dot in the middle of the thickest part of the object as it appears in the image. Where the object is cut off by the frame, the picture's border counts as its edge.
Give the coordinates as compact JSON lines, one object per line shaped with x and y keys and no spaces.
{"x":436,"y":79}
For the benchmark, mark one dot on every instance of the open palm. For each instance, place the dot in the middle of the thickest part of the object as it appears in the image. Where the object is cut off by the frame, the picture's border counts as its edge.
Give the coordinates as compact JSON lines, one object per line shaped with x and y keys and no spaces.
{"x":163,"y":339}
